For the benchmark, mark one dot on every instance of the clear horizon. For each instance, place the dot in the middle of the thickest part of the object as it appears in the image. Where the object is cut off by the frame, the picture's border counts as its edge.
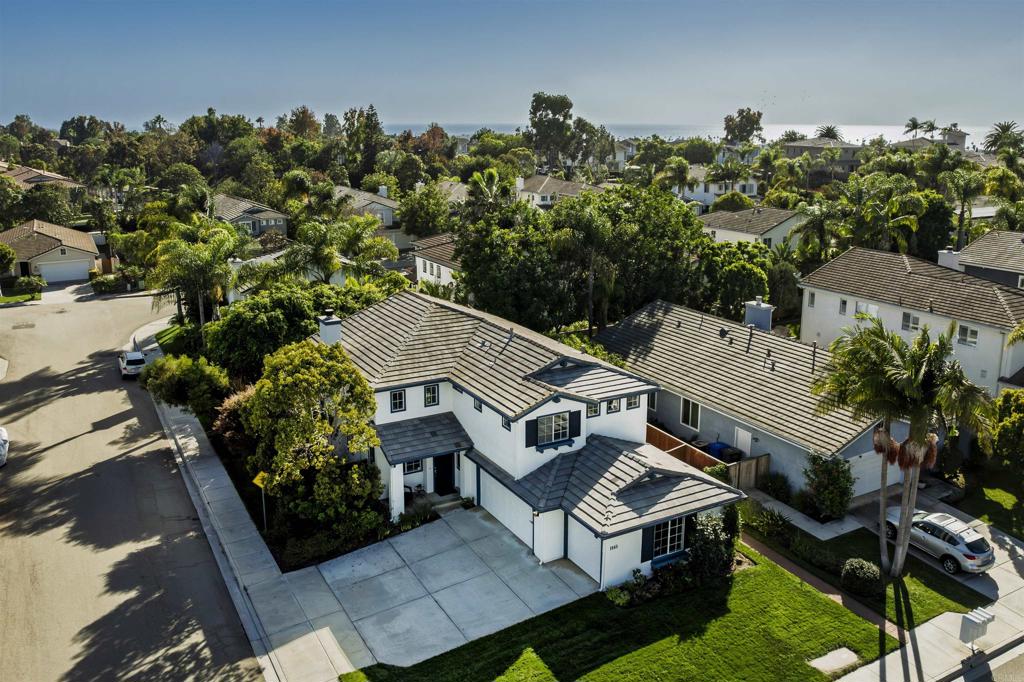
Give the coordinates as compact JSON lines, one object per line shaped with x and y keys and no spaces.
{"x":623,"y":64}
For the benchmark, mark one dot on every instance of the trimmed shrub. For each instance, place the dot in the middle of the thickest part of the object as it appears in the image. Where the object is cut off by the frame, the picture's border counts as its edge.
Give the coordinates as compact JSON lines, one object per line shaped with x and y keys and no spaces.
{"x":804,"y":503}
{"x":777,"y":485}
{"x":830,"y":483}
{"x":31,"y":284}
{"x":197,"y":385}
{"x":618,"y":596}
{"x":94,"y":273}
{"x":711,"y":550}
{"x":773,"y":524}
{"x":107,"y":284}
{"x":862,"y":577}
{"x":230,"y":426}
{"x":719,"y":471}
{"x":732,"y":522}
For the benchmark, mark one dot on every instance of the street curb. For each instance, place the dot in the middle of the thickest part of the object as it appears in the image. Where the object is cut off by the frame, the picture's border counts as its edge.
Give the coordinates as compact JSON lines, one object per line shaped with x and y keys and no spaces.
{"x":258,"y":639}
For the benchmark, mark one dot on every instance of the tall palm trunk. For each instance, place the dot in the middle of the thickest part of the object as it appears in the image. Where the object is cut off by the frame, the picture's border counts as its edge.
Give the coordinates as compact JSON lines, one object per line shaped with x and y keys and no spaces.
{"x":883,"y":446}
{"x":913,"y":456}
{"x":202,"y":317}
{"x":590,"y":297}
{"x":960,"y":227}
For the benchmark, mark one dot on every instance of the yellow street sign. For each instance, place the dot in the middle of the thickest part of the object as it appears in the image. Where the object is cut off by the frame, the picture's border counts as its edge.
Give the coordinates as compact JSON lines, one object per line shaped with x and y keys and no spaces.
{"x":261,"y":479}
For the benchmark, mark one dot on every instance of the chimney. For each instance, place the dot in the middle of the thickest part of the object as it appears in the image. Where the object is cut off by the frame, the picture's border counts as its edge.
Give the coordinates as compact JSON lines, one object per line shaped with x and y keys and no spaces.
{"x":520,"y":183}
{"x":382,"y":190}
{"x":948,"y":258}
{"x":759,"y":314}
{"x":418,"y":186}
{"x":330,"y":327}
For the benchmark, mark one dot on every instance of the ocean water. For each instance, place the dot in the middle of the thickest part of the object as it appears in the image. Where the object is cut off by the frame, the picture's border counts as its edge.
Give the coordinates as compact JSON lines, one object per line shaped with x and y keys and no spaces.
{"x":851,"y":133}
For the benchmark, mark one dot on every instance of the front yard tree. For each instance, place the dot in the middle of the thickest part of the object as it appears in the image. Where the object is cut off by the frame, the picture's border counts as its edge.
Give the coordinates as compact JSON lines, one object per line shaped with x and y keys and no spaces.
{"x":311,"y":396}
{"x":581,"y":228}
{"x":198,"y":270}
{"x":425,"y":211}
{"x":551,"y":126}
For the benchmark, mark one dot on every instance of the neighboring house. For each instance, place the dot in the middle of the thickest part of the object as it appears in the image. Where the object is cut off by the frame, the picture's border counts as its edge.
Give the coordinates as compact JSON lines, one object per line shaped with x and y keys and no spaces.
{"x":461,"y":144}
{"x":384,"y":208}
{"x":956,"y":140}
{"x":770,"y":226}
{"x":543,"y":191}
{"x":435,"y":259}
{"x":241,"y":293}
{"x":724,"y":382}
{"x":457,"y":192}
{"x":848,"y":160}
{"x":908,"y":293}
{"x":735,"y":151}
{"x":549,"y":440}
{"x":26,"y":178}
{"x":253,"y":217}
{"x":997,"y":256}
{"x":623,"y":153}
{"x":53,"y":252}
{"x":706,"y":192}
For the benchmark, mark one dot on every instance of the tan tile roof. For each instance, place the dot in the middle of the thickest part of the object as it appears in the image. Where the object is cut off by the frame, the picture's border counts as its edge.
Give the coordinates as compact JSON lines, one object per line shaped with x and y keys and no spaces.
{"x":546,"y":184}
{"x":36,"y":237}
{"x":750,"y":221}
{"x":231,"y":208}
{"x":27,"y":178}
{"x":998,"y":249}
{"x":440,"y":248}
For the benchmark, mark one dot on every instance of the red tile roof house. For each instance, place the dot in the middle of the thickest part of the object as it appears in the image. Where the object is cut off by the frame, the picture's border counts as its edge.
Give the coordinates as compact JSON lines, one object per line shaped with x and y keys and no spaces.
{"x":53,"y":252}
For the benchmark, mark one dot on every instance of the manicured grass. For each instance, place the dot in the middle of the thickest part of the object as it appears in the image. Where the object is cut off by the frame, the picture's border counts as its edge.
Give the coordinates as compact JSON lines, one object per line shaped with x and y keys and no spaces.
{"x":172,"y":340}
{"x":923,"y":593}
{"x":763,"y":624}
{"x":19,"y":298}
{"x":994,"y":495}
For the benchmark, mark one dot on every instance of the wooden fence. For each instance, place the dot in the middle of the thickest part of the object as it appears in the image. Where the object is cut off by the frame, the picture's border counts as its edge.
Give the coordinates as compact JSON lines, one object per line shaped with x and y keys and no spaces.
{"x":743,"y":474}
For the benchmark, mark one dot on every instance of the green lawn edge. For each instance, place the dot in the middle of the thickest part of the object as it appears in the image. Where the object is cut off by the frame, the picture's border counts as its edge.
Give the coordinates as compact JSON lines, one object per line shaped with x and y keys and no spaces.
{"x":763,"y":621}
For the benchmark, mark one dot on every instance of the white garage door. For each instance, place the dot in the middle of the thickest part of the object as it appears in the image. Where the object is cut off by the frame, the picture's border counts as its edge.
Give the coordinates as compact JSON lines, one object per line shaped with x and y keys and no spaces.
{"x":584,"y":549}
{"x":512,"y":512}
{"x":66,"y":271}
{"x":866,"y":470}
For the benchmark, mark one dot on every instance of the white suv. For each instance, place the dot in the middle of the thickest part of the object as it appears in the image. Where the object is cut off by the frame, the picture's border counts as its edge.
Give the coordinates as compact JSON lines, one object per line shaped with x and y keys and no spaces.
{"x":131,"y":363}
{"x":957,"y":546}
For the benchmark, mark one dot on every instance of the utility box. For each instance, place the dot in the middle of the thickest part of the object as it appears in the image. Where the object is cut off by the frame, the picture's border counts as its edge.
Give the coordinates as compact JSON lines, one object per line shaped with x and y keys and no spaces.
{"x":974,"y":626}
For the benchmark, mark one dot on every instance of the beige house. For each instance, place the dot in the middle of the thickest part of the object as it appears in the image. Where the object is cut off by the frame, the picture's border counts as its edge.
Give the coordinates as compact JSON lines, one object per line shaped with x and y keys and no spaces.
{"x":848,"y":152}
{"x":53,"y":252}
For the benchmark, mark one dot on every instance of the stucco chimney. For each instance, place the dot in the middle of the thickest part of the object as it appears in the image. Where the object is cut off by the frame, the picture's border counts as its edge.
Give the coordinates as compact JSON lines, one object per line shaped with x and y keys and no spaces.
{"x":759,"y":314}
{"x":520,"y":183}
{"x":382,"y":190}
{"x":330,"y":327}
{"x":948,"y":258}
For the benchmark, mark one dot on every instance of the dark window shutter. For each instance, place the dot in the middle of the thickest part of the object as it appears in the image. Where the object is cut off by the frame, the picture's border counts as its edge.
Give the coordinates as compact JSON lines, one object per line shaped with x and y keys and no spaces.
{"x":647,"y":544}
{"x":574,"y":424}
{"x":531,"y":433}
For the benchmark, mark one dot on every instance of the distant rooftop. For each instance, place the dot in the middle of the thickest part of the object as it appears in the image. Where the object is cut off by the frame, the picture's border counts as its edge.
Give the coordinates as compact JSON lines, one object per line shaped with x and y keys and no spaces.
{"x":998,"y":250}
{"x":755,"y":221}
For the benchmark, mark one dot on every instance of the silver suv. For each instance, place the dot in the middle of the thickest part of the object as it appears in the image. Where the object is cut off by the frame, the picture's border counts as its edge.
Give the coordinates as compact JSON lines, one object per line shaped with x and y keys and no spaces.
{"x":957,"y":546}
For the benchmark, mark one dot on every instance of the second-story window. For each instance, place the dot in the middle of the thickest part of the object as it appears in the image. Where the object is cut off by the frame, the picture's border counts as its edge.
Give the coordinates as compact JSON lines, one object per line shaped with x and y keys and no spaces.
{"x":967,"y":336}
{"x":911,"y":323}
{"x":398,"y":401}
{"x":842,"y":306}
{"x":632,"y":402}
{"x":810,"y":299}
{"x":506,"y":423}
{"x":613,"y":405}
{"x":652,"y":402}
{"x":553,"y":428}
{"x":478,"y":405}
{"x":593,"y":410}
{"x":431,"y":395}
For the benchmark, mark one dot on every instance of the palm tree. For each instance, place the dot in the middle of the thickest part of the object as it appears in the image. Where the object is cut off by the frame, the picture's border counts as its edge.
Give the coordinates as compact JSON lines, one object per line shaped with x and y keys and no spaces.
{"x":358,"y":241}
{"x":582,"y":229}
{"x":1004,"y":134}
{"x":964,"y":186}
{"x":856,"y":378}
{"x":829,"y":132}
{"x":929,"y":127}
{"x":816,"y":233}
{"x":676,"y":173}
{"x":198,"y":270}
{"x":829,"y":157}
{"x":912,"y":126}
{"x":259,"y":122}
{"x":486,"y":191}
{"x":729,"y":171}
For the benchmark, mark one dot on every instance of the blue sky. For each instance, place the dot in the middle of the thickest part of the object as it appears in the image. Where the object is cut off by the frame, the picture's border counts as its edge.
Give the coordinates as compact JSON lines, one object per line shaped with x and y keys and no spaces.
{"x":852,"y":62}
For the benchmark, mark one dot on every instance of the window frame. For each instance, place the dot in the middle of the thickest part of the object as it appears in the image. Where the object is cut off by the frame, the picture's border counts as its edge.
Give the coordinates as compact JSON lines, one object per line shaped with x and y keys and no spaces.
{"x":669,"y":534}
{"x":596,"y":408}
{"x":506,"y":423}
{"x":400,"y":394}
{"x":689,"y":413}
{"x":478,"y":404}
{"x":417,"y":467}
{"x":965,"y":339}
{"x":635,"y":399}
{"x":842,"y":307}
{"x":652,"y":402}
{"x":437,"y":395}
{"x":612,"y":406}
{"x":810,"y":299}
{"x":558,"y":430}
{"x":910,"y":322}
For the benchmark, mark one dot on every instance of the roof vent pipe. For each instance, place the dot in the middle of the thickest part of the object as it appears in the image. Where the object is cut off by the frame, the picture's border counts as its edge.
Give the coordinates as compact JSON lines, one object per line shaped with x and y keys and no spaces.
{"x":814,"y":355}
{"x":750,"y":336}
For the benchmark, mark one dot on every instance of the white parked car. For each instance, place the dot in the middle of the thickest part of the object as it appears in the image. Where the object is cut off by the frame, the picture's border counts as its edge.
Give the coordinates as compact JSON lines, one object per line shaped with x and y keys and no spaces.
{"x":131,"y":363}
{"x":5,"y":445}
{"x":957,"y":546}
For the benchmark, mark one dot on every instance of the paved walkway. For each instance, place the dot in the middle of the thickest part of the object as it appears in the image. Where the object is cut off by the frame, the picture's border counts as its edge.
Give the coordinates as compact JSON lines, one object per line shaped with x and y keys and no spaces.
{"x":822,"y":531}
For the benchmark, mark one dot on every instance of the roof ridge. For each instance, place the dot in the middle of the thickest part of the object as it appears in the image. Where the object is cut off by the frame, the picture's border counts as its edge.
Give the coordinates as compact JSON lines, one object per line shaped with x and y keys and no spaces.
{"x":405,"y":340}
{"x":1002,"y":301}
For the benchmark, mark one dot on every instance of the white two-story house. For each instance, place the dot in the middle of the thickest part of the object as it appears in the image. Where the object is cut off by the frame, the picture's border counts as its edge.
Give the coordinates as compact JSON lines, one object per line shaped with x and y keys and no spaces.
{"x":549,"y":440}
{"x":908,"y":293}
{"x":705,"y":192}
{"x":769,"y":226}
{"x":435,"y":259}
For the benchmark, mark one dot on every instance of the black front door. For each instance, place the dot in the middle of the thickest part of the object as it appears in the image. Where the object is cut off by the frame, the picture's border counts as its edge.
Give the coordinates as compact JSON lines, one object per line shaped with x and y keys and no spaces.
{"x":444,"y":474}
{"x":25,"y":272}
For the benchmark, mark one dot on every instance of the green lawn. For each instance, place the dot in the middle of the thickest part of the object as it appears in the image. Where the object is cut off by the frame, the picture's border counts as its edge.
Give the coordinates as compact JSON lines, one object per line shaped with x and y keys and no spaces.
{"x":19,"y":298}
{"x":172,"y":340}
{"x":994,"y":495}
{"x":923,"y":593}
{"x":764,"y":622}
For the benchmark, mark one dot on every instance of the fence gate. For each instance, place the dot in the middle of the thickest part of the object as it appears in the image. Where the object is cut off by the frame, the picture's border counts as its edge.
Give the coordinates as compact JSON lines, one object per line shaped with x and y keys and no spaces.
{"x":745,"y":473}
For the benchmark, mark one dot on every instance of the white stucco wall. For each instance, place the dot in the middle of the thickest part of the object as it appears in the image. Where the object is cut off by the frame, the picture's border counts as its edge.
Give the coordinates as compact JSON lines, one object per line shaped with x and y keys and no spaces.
{"x":621,"y":555}
{"x":549,"y":535}
{"x":510,"y":511}
{"x":414,"y":406}
{"x":584,"y":549}
{"x":983,"y":363}
{"x":442,"y":274}
{"x":467,"y":474}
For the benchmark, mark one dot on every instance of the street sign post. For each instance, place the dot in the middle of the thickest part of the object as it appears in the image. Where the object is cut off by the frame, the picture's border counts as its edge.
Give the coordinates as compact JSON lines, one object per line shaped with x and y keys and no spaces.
{"x":261,"y":481}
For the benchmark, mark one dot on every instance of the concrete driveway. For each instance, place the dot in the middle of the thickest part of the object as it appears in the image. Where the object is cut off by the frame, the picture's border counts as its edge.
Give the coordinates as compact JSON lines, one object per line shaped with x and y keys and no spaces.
{"x":441,"y":585}
{"x":104,"y":570}
{"x":66,"y":292}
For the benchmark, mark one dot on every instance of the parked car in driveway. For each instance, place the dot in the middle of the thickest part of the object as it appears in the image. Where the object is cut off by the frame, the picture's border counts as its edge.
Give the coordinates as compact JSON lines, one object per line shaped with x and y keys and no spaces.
{"x":957,"y":546}
{"x":131,"y":363}
{"x":5,"y":445}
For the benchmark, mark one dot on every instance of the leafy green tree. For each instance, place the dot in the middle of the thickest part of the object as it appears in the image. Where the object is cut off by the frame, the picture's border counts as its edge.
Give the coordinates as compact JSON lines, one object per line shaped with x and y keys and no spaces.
{"x":256,"y":327}
{"x":311,"y":399}
{"x":365,"y":137}
{"x":653,"y":152}
{"x":181,"y":174}
{"x":551,"y":126}
{"x":198,"y":271}
{"x":425,"y":211}
{"x":732,"y":201}
{"x":374,"y":181}
{"x":744,"y":126}
{"x":963,"y":186}
{"x":303,"y":122}
{"x":1008,"y":430}
{"x":697,"y":150}
{"x":830,"y":484}
{"x":196,"y":385}
{"x":783,"y":289}
{"x":10,"y":200}
{"x":781,"y":198}
{"x":581,"y":228}
{"x":47,"y":201}
{"x":741,"y":282}
{"x":7,"y":258}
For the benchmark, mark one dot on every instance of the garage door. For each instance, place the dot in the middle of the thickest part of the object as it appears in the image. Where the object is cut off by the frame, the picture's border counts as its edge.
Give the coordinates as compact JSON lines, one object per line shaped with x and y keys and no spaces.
{"x":67,"y":271}
{"x":512,"y":512}
{"x":866,"y":470}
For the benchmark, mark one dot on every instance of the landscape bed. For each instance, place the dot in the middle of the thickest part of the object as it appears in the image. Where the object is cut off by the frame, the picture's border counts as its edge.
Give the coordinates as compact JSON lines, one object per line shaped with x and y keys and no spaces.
{"x":762,"y":621}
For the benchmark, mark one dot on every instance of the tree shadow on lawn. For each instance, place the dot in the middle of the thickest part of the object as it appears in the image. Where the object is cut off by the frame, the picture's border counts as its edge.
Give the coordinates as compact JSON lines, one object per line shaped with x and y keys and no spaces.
{"x":905,"y":620}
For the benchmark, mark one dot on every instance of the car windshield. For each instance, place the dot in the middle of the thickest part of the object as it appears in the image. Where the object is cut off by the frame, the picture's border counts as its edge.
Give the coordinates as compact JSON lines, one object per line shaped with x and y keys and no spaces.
{"x":979,"y":546}
{"x":135,"y":361}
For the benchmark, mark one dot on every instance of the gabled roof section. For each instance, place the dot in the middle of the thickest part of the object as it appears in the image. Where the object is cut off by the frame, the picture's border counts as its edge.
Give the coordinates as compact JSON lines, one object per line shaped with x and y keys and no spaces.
{"x":231,"y":208}
{"x":361,"y":199}
{"x":546,"y":184}
{"x":27,"y":178}
{"x":592,"y":382}
{"x":412,"y":338}
{"x":750,"y":221}
{"x":613,"y":486}
{"x":456,"y":192}
{"x":822,"y":143}
{"x":36,"y":237}
{"x":917,"y":284}
{"x":412,"y":439}
{"x":751,"y":375}
{"x":439,"y":248}
{"x":998,"y":250}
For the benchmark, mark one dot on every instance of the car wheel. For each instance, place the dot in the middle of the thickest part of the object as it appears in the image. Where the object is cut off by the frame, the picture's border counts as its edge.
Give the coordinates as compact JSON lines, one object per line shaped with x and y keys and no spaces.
{"x":950,"y":565}
{"x":890,"y":531}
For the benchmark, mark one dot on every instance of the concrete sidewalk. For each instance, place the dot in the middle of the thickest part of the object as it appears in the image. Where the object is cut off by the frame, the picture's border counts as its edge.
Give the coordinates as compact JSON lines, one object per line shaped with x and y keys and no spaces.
{"x":289,"y":619}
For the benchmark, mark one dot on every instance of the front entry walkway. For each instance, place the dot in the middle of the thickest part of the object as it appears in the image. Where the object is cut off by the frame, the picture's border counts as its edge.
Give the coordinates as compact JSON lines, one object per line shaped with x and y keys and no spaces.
{"x":436,"y":587}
